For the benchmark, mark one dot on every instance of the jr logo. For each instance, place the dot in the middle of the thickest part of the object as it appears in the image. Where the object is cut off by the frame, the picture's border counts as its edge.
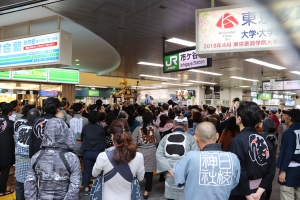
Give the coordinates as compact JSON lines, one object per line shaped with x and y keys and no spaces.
{"x":173,"y":59}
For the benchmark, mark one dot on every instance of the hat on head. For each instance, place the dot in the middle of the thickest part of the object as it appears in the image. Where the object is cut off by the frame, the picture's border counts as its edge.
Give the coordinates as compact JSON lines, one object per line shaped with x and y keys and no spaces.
{"x":273,"y":110}
{"x":268,"y":125}
{"x":293,"y":113}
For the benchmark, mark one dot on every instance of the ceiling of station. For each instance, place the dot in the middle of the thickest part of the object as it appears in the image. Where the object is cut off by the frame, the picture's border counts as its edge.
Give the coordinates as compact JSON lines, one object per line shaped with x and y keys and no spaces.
{"x":135,"y":29}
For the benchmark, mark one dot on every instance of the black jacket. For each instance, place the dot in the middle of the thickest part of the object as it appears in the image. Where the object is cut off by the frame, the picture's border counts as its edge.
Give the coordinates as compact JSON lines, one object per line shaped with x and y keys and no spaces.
{"x":93,"y":138}
{"x":38,"y":133}
{"x":257,"y":160}
{"x":7,"y":145}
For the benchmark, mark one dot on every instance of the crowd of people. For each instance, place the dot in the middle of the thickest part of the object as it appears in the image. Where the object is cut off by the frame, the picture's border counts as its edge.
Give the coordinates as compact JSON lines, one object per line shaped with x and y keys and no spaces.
{"x":199,"y":151}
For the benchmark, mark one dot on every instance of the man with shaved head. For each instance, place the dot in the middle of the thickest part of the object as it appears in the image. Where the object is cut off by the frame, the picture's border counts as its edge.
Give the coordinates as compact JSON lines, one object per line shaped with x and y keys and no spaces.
{"x":209,"y":173}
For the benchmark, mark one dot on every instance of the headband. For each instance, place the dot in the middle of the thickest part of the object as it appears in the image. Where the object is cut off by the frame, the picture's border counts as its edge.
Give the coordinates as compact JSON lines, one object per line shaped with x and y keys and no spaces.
{"x":181,"y":120}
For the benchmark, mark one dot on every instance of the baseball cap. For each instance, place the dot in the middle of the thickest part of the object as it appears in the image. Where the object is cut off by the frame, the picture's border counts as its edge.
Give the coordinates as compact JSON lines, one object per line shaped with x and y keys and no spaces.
{"x":293,"y":113}
{"x":273,"y":110}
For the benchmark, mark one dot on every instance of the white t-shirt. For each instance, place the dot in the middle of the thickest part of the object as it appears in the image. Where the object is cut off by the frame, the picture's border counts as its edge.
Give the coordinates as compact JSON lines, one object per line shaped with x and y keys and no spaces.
{"x":117,"y":187}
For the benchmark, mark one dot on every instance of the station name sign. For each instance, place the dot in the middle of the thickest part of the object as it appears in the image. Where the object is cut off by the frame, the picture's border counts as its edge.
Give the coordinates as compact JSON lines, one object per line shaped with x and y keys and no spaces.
{"x":184,"y":59}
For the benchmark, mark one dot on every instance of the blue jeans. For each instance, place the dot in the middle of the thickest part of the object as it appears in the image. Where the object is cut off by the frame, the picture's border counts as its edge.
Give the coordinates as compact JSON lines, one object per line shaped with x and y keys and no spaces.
{"x":89,"y":159}
{"x":20,"y":191}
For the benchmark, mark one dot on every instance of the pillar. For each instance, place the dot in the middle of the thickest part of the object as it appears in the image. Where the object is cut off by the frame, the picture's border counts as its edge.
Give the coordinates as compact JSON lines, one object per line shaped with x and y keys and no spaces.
{"x":68,"y":91}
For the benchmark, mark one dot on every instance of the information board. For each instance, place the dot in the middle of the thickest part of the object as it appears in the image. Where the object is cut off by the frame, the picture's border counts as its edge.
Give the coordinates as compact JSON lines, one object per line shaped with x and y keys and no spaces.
{"x":292,"y":85}
{"x":48,"y":49}
{"x":277,"y":85}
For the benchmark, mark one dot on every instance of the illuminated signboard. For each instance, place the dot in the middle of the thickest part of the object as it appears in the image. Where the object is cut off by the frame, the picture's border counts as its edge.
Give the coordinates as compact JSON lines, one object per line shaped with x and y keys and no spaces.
{"x":93,"y":93}
{"x":43,"y":75}
{"x":30,"y":75}
{"x":184,"y":59}
{"x":237,"y":29}
{"x":63,"y":76}
{"x":48,"y":49}
{"x":264,"y":96}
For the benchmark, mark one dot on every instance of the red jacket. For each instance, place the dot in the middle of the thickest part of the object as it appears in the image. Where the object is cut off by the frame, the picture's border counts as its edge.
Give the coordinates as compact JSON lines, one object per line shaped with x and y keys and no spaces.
{"x":276,"y":120}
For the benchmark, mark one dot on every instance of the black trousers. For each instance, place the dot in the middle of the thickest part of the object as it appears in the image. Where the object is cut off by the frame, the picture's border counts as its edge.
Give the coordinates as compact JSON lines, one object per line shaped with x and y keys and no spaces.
{"x":4,"y":178}
{"x":149,"y":177}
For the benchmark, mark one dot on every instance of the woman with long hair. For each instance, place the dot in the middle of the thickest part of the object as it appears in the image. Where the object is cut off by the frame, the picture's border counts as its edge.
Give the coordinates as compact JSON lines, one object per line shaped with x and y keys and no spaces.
{"x":124,"y":154}
{"x":165,"y":125}
{"x":146,"y":138}
{"x":229,"y":132}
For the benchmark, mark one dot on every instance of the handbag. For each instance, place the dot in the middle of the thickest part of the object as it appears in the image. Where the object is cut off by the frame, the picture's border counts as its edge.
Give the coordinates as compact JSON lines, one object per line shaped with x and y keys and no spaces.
{"x":124,"y":170}
{"x":96,"y":192}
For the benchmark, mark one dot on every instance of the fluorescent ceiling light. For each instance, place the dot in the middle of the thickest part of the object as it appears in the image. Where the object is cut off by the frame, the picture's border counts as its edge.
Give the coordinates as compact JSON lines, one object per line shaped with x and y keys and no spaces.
{"x":188,"y":83}
{"x":151,"y":64}
{"x":161,"y":77}
{"x":204,"y":72}
{"x":245,"y":79}
{"x":202,"y":82}
{"x":182,"y":42}
{"x":259,"y":62}
{"x":295,"y":72}
{"x":244,"y":86}
{"x":174,"y":84}
{"x":77,"y":60}
{"x":77,"y":64}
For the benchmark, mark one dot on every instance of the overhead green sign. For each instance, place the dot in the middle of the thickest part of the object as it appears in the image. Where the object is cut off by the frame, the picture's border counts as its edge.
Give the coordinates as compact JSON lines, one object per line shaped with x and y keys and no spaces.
{"x":63,"y":76}
{"x":184,"y":59}
{"x":264,"y":96}
{"x":30,"y":75}
{"x":43,"y":75}
{"x":94,"y":93}
{"x":5,"y":75}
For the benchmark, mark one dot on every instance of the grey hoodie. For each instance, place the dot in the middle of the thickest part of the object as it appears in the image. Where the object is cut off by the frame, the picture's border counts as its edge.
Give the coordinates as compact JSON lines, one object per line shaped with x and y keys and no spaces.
{"x":50,"y":173}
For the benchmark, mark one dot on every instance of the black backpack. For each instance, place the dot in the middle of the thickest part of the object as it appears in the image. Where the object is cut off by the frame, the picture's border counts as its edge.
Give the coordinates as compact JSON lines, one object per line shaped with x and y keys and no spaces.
{"x":61,"y":155}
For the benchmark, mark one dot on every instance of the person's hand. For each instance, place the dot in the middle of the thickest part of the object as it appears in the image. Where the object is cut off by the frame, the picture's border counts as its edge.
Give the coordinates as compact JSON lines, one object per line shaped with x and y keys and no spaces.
{"x":249,"y":197}
{"x":171,"y":172}
{"x":258,"y":193}
{"x":282,"y":176}
{"x":256,"y":196}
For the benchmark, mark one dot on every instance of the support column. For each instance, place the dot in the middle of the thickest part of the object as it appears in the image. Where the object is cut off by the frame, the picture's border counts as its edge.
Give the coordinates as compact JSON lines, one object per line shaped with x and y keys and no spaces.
{"x":68,"y":91}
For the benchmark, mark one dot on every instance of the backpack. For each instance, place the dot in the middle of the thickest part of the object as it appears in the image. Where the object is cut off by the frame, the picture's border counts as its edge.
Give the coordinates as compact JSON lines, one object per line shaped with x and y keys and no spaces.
{"x":151,"y":98}
{"x":61,"y":155}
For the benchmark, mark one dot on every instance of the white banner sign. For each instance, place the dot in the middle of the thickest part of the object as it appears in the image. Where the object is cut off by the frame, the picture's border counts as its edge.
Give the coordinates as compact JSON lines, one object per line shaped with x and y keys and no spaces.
{"x":267,"y":86}
{"x":234,"y":29}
